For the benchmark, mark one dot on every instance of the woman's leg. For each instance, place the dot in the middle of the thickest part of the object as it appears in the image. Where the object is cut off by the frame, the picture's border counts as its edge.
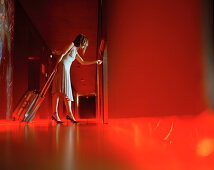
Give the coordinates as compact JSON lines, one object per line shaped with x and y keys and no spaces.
{"x":55,"y":103}
{"x":68,"y":108}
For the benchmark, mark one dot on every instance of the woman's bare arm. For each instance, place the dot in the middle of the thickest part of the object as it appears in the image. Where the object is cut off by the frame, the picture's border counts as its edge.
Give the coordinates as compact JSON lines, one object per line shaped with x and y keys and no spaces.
{"x":64,"y":52}
{"x":81,"y":61}
{"x":66,"y":49}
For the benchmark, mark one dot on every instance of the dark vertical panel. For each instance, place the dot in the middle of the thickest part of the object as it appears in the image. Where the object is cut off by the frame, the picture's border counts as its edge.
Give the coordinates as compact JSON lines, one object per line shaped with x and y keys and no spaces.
{"x":208,"y":53}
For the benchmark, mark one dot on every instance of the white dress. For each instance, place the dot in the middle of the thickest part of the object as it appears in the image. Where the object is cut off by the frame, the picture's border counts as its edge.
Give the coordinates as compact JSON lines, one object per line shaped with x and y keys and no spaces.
{"x":62,"y":83}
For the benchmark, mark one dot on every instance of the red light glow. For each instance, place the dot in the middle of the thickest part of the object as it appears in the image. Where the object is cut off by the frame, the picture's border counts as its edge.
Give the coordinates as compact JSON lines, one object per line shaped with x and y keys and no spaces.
{"x":154,"y":143}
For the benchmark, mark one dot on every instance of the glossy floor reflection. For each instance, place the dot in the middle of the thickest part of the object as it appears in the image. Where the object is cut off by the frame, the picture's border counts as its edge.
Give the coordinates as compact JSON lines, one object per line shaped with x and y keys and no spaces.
{"x":169,"y":143}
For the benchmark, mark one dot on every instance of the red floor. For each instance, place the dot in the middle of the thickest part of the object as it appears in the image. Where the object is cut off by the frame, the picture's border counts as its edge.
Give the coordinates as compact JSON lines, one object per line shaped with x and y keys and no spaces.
{"x":169,"y":143}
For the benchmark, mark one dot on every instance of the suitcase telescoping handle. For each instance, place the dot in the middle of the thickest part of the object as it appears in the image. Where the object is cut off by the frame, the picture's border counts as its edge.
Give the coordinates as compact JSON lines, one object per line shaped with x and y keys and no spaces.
{"x":48,"y":83}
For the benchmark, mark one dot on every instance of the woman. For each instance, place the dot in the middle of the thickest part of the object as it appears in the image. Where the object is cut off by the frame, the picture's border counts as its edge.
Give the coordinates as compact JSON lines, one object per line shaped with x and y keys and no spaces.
{"x":61,"y":84}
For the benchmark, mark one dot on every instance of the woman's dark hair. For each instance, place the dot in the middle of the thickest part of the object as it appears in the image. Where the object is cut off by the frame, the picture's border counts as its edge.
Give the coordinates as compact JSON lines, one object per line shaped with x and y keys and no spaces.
{"x":80,"y":40}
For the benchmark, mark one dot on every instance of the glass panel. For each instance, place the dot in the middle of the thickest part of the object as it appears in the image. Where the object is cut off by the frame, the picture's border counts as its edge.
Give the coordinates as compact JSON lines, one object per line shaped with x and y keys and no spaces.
{"x":6,"y":48}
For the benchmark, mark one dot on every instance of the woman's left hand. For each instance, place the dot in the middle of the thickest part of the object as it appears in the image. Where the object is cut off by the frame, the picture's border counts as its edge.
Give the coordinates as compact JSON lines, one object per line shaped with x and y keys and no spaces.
{"x":99,"y":62}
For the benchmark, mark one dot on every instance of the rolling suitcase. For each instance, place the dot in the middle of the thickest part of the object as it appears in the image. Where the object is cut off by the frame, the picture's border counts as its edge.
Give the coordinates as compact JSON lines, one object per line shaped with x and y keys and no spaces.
{"x":31,"y":101}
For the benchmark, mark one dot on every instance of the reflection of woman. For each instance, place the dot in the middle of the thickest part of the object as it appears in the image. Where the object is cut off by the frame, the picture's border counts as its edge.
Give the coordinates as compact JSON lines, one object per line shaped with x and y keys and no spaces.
{"x":61,"y":84}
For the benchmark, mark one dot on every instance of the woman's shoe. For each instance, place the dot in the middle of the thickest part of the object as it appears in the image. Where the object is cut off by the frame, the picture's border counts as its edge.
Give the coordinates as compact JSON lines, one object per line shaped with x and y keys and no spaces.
{"x":72,"y":120}
{"x":57,"y":121}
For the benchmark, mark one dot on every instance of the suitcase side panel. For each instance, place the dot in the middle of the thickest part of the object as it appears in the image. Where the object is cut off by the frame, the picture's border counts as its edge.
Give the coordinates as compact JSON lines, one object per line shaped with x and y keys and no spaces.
{"x":24,"y":105}
{"x":30,"y":114}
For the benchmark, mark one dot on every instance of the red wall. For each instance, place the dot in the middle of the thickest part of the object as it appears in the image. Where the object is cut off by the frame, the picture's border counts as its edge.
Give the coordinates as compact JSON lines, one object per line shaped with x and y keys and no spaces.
{"x":155,"y":58}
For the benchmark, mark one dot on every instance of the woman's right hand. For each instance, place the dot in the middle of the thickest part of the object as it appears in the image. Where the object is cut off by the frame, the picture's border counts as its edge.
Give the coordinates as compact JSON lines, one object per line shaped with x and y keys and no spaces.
{"x":99,"y":62}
